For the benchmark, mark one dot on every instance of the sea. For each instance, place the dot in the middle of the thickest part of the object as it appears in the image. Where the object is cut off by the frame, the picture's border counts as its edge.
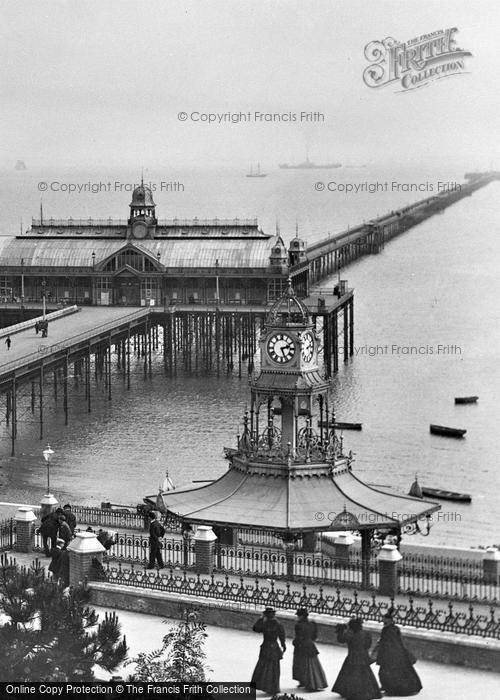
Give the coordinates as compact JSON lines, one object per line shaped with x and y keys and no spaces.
{"x":427,"y":329}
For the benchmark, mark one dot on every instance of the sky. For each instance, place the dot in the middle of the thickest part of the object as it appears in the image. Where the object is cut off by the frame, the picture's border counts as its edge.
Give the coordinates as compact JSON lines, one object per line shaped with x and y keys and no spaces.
{"x":101,"y":84}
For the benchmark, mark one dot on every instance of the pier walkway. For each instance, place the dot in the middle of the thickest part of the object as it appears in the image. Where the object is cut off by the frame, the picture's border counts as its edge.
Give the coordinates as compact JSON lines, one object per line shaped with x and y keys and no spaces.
{"x":335,"y":252}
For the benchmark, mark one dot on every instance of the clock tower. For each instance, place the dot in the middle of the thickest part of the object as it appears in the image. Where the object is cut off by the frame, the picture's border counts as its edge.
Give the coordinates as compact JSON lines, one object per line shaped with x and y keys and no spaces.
{"x":142,"y":221}
{"x":291,"y":380}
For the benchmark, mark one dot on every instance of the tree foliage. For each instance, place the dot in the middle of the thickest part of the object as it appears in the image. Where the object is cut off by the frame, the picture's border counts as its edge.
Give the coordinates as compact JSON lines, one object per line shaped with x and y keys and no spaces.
{"x":50,"y":633}
{"x":181,"y":657}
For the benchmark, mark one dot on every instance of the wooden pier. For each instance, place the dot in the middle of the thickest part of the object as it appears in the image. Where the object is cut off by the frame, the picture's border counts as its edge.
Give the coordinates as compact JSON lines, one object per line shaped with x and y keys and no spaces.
{"x":335,"y":252}
{"x":101,"y":345}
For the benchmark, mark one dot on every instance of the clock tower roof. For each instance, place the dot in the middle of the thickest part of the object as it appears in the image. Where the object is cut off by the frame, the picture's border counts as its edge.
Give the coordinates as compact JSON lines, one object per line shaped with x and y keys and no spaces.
{"x":288,"y":310}
{"x":142,"y":196}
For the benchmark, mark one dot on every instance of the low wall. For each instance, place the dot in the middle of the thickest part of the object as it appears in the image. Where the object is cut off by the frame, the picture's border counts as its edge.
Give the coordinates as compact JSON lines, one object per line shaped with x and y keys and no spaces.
{"x":441,"y":647}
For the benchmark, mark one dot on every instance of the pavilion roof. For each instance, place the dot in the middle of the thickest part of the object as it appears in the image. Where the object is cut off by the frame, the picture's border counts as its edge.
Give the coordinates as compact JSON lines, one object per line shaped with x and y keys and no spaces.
{"x":293,"y":498}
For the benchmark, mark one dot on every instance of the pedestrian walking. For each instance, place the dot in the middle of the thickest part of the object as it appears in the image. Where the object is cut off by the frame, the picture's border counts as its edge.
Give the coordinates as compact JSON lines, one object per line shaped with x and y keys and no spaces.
{"x":48,"y":531}
{"x":8,"y":342}
{"x":356,"y":680}
{"x":266,"y":675}
{"x":306,"y":668}
{"x":70,"y":517}
{"x":37,"y":327}
{"x":156,"y":532}
{"x":397,"y":675}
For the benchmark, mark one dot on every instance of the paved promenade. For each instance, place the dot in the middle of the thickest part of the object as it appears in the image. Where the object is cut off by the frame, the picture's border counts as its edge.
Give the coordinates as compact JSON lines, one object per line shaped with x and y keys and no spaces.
{"x":232,"y":655}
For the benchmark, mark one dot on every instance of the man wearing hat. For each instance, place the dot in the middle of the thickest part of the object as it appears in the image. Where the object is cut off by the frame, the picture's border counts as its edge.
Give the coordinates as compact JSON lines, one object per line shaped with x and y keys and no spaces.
{"x":266,"y":675}
{"x":306,"y":668}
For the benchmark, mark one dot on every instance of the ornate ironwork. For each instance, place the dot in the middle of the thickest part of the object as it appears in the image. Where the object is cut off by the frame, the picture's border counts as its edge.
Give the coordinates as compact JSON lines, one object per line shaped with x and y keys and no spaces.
{"x":254,"y":594}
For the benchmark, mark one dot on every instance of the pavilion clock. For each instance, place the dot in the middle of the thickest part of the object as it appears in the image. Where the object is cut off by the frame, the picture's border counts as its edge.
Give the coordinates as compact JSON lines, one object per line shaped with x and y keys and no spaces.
{"x":139,"y":229}
{"x":281,"y":348}
{"x":307,"y":346}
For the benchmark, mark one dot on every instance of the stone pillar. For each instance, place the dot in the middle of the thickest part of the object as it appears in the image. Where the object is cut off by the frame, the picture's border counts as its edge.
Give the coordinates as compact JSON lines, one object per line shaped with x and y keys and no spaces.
{"x":204,"y":546}
{"x":388,"y":560}
{"x":48,"y":505}
{"x":25,"y":532}
{"x":491,"y":566}
{"x":342,"y":547}
{"x":82,"y":549}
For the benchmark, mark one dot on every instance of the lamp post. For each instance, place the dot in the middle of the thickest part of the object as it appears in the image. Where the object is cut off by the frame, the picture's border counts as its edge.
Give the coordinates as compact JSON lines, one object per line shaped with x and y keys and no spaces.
{"x":217,"y":282}
{"x":93,"y":260}
{"x":22,"y":282}
{"x":43,"y":299}
{"x":47,"y":455}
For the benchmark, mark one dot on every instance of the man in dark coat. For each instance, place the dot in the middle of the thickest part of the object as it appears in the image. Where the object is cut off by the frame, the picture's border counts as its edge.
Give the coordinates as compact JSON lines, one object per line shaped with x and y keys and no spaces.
{"x":59,"y":566}
{"x":266,"y":675}
{"x":397,"y":675}
{"x":356,"y":680}
{"x":70,"y":517}
{"x":48,"y":531}
{"x":306,"y":666}
{"x":156,"y":532}
{"x":65,"y":533}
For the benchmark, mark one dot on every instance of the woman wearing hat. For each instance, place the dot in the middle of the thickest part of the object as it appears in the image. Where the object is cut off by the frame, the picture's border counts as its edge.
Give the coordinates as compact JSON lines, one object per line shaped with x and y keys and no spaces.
{"x":266,"y":675}
{"x":397,"y":675}
{"x":356,"y":680}
{"x":307,"y":669}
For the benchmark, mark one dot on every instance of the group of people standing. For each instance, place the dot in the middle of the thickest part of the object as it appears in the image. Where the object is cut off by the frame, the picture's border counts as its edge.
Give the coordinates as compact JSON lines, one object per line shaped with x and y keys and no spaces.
{"x":356,"y":680}
{"x":57,"y":530}
{"x":57,"y":525}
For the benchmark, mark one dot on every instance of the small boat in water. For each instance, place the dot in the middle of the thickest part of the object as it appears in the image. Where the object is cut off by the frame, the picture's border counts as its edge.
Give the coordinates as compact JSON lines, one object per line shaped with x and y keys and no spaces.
{"x":257,"y":173}
{"x":418,"y":491}
{"x":466,"y":399}
{"x":447,"y":432}
{"x":446,"y":495}
{"x":340,"y":425}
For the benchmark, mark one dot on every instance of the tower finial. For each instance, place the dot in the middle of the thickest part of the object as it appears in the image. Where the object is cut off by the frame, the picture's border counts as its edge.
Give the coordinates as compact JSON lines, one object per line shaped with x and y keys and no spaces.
{"x":41,"y":212}
{"x":296,"y":228}
{"x":277,"y":227}
{"x":142,"y":176}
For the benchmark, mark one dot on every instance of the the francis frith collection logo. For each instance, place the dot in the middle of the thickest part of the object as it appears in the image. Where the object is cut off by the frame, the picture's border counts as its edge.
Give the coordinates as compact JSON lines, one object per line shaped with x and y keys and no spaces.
{"x":414,"y":63}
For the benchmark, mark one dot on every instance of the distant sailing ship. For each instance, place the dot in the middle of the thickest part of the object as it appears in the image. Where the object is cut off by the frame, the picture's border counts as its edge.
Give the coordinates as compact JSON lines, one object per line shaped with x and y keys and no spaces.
{"x":308,"y":165}
{"x":257,"y":173}
{"x":20,"y":165}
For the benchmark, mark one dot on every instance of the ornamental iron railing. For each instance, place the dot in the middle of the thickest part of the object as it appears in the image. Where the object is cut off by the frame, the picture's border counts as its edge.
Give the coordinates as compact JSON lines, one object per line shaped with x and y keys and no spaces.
{"x":7,"y":534}
{"x":254,"y":594}
{"x":435,"y":577}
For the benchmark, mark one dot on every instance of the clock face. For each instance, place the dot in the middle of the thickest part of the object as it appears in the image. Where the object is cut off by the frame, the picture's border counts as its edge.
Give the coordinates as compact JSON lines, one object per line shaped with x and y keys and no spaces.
{"x":307,"y":346}
{"x":140,"y":231}
{"x":281,"y":348}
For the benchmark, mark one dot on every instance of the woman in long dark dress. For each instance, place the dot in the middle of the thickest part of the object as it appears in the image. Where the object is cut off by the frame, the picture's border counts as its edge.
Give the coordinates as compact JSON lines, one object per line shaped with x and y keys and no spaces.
{"x":356,"y":680}
{"x":306,"y":666}
{"x":397,"y":675}
{"x":266,"y":675}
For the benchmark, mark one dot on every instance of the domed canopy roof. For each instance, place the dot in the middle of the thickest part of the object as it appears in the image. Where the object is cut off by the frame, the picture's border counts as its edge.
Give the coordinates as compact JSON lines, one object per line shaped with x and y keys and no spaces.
{"x":142,"y":197}
{"x":288,"y":309}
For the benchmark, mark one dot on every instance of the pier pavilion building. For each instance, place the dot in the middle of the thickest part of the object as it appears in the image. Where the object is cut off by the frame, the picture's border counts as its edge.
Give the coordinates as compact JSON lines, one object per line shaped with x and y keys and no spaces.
{"x":142,"y":260}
